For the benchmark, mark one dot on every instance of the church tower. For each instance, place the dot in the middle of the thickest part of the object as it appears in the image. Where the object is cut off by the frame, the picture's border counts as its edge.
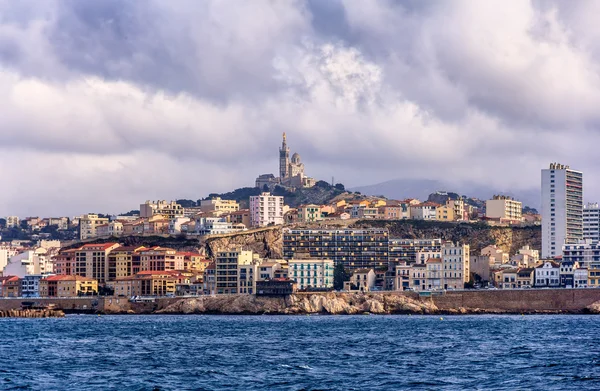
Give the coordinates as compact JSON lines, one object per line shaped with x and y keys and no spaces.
{"x":284,"y":160}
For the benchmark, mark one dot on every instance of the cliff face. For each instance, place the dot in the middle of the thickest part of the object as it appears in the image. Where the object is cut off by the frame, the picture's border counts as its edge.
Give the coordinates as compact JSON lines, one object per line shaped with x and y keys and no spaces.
{"x":318,"y":303}
{"x":268,"y":242}
{"x":477,"y":236}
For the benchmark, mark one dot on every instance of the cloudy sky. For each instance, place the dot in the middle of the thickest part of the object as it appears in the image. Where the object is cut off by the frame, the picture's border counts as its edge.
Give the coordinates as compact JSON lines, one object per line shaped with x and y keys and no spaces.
{"x":105,"y":104}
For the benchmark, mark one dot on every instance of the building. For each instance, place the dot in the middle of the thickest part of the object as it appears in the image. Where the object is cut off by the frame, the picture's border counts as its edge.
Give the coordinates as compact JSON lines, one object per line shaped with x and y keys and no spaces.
{"x":10,"y":286}
{"x":276,"y":287}
{"x":526,"y":257}
{"x":500,"y":257}
{"x":309,"y":213}
{"x":567,"y":273}
{"x":38,"y":261}
{"x":91,"y":261}
{"x":585,"y":253}
{"x":226,"y":270}
{"x":445,"y":213}
{"x":481,"y":266}
{"x":160,"y":259}
{"x":169,"y":210}
{"x":525,"y":277}
{"x":219,"y":205}
{"x":455,"y":265}
{"x":562,"y":208}
{"x":216,"y":226}
{"x":503,"y":208}
{"x":88,"y":224}
{"x":362,"y":280}
{"x":291,"y":171}
{"x":591,"y":222}
{"x":121,"y":261}
{"x":176,"y":223}
{"x":67,"y":286}
{"x":266,"y":209}
{"x":30,"y":285}
{"x":147,"y":283}
{"x":266,"y":182}
{"x":355,"y":248}
{"x":6,"y":252}
{"x":547,"y":275}
{"x":241,"y":216}
{"x":311,"y":273}
{"x":414,"y":250}
{"x":580,"y":277}
{"x":424,"y":211}
{"x":13,"y":222}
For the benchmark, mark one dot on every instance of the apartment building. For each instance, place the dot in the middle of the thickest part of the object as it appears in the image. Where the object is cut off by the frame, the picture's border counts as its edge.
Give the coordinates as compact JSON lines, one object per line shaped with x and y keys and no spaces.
{"x":121,"y":261}
{"x":309,"y":213}
{"x":91,"y":261}
{"x":455,"y":265}
{"x":266,"y":209}
{"x":10,"y":286}
{"x":310,"y":272}
{"x":424,"y":211}
{"x":414,"y":250}
{"x":504,"y":208}
{"x":12,"y":221}
{"x":562,"y":208}
{"x":67,"y":286}
{"x":355,"y":248}
{"x":226,"y":270}
{"x":88,"y":224}
{"x":161,"y":259}
{"x":169,"y":210}
{"x":591,"y":222}
{"x":585,"y":252}
{"x":147,"y":283}
{"x":219,"y":205}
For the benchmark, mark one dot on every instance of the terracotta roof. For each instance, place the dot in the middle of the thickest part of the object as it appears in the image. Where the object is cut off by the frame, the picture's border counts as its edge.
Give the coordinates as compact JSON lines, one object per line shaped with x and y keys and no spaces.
{"x":62,"y":277}
{"x":434,"y":260}
{"x":103,"y":246}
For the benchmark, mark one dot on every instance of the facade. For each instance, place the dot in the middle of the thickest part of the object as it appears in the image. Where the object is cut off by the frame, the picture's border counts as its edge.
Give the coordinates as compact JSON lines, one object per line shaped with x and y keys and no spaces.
{"x":217,"y":204}
{"x":591,"y":222}
{"x":12,"y":221}
{"x":481,"y":266}
{"x":275,"y":287}
{"x":500,"y":257}
{"x":410,"y":250}
{"x":160,"y":259}
{"x":30,"y":285}
{"x":91,"y":261}
{"x":67,"y":286}
{"x":525,"y":277}
{"x":585,"y":253}
{"x":547,"y":275}
{"x":36,"y":261}
{"x":309,"y":213}
{"x":88,"y":224}
{"x":226,"y":270}
{"x":504,"y":208}
{"x":10,"y":286}
{"x":355,"y":248}
{"x":311,"y":272}
{"x":122,"y":261}
{"x":266,"y":209}
{"x":147,"y":283}
{"x":362,"y":280}
{"x":169,"y":210}
{"x":216,"y":226}
{"x":445,"y":213}
{"x":291,"y":171}
{"x":562,"y":208}
{"x":455,"y":265}
{"x":526,"y":257}
{"x":176,"y":223}
{"x":424,"y":211}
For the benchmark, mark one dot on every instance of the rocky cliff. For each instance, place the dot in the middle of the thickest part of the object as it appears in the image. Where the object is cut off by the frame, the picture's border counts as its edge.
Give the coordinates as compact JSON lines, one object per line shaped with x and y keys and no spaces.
{"x":477,"y":235}
{"x":267,"y":242}
{"x":318,"y":303}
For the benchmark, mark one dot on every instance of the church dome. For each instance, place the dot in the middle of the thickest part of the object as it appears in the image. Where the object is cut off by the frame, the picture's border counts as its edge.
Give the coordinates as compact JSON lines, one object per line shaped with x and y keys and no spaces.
{"x":296,"y":158}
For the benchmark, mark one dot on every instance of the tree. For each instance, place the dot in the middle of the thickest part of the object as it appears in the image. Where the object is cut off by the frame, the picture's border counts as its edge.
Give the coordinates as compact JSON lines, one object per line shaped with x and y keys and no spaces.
{"x":23,"y":225}
{"x":186,"y":203}
{"x":339,"y":186}
{"x":323,"y":185}
{"x":340,"y":275}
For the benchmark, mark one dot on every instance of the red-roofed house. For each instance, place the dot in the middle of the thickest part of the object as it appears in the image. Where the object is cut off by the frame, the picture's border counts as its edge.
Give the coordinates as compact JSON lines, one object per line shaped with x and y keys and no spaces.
{"x":67,"y":286}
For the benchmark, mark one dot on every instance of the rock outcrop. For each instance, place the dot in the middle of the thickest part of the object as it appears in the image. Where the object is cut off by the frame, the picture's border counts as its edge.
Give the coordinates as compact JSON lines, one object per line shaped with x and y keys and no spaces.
{"x":265,"y":241}
{"x":593,"y":308}
{"x":318,"y":303}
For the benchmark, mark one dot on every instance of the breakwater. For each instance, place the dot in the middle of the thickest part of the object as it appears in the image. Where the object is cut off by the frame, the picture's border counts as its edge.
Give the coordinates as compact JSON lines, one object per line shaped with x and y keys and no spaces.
{"x":556,"y":301}
{"x":32,"y":313}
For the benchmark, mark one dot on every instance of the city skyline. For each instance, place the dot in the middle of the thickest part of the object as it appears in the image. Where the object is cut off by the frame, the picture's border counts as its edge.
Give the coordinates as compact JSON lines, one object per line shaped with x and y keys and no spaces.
{"x":108,"y":104}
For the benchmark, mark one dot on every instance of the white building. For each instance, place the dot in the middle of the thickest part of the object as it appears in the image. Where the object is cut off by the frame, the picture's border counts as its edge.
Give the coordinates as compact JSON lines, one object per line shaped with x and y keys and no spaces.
{"x":591,"y":222}
{"x":169,"y":210}
{"x":6,"y":252}
{"x":547,"y":275}
{"x":216,"y":226}
{"x":30,"y":285}
{"x":175,"y":224}
{"x":562,"y":208}
{"x":424,"y":211}
{"x":504,"y":208}
{"x":313,"y":273}
{"x":29,"y":262}
{"x":580,"y":277}
{"x":88,"y":224}
{"x":585,"y":252}
{"x":12,"y":221}
{"x":455,"y":265}
{"x":266,"y":209}
{"x":525,"y":257}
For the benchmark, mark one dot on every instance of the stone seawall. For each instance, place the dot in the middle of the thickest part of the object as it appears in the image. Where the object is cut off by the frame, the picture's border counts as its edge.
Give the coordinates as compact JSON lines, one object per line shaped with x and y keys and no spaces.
{"x":459,"y":302}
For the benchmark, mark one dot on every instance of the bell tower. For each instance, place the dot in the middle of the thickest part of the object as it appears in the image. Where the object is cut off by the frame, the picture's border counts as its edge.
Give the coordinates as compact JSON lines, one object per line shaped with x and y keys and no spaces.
{"x":284,"y":160}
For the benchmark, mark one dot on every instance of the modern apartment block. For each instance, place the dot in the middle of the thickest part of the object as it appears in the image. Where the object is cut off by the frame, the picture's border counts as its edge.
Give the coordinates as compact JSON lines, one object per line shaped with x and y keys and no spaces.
{"x":227,"y":264}
{"x":562,"y":208}
{"x":409,"y":250}
{"x":311,"y":273}
{"x":88,"y":224}
{"x":585,"y":252}
{"x":591,"y":222}
{"x":91,"y":261}
{"x":455,"y":265}
{"x":218,"y":205}
{"x":266,"y":209}
{"x":170,"y":210}
{"x":504,"y":208}
{"x":355,"y":248}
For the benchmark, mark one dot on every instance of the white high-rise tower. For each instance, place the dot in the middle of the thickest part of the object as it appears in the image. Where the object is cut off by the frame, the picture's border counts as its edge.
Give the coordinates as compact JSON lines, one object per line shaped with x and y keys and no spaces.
{"x":562,"y":208}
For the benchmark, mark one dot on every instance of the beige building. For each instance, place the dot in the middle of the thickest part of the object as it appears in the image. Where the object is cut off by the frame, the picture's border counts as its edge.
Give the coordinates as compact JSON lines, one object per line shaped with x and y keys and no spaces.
{"x":503,"y":208}
{"x":169,"y":210}
{"x":67,"y":286}
{"x":91,"y":261}
{"x":12,"y":221}
{"x":217,"y":204}
{"x":309,"y":213}
{"x":88,"y":224}
{"x":161,"y":259}
{"x":311,"y":272}
{"x":362,"y":280}
{"x":227,"y":271}
{"x":500,"y":257}
{"x":455,"y":265}
{"x":121,"y":261}
{"x":147,"y":283}
{"x":445,"y":213}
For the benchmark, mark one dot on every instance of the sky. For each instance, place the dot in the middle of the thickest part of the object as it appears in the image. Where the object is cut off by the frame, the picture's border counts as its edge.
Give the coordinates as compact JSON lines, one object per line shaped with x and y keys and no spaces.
{"x":107,"y":104}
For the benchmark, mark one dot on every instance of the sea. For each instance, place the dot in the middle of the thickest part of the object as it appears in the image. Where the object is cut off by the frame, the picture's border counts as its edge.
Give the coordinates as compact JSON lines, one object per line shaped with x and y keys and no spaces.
{"x":203,"y":352}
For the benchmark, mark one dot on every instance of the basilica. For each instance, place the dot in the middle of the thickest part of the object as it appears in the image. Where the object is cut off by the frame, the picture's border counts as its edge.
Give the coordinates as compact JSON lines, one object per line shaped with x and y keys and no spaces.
{"x":291,"y":171}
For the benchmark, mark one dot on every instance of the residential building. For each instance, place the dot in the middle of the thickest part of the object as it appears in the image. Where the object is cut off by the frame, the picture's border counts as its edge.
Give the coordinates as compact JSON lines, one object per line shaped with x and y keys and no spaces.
{"x":410,"y":250}
{"x":309,"y":213}
{"x":567,"y":273}
{"x":459,"y":211}
{"x":176,"y":223}
{"x":67,"y":286}
{"x":509,"y":279}
{"x":30,"y":285}
{"x":6,"y":252}
{"x":88,"y":224}
{"x":217,"y":204}
{"x":456,"y":265}
{"x":160,"y":259}
{"x":91,"y":261}
{"x":424,"y":211}
{"x":355,"y":248}
{"x":37,"y":261}
{"x":445,"y":213}
{"x":268,"y":270}
{"x":503,"y":208}
{"x":547,"y":275}
{"x":418,"y":277}
{"x":433,"y":270}
{"x":594,"y":275}
{"x":363,"y":212}
{"x":580,"y":277}
{"x":500,"y":257}
{"x":402,"y":277}
{"x":525,"y":277}
{"x":311,"y":272}
{"x":65,"y":262}
{"x":216,"y":226}
{"x":169,"y":210}
{"x":276,"y":287}
{"x":147,"y":283}
{"x":226,"y":270}
{"x":10,"y":286}
{"x":481,"y":266}
{"x":13,"y":222}
{"x":562,"y":208}
{"x":585,"y":253}
{"x":121,"y":261}
{"x":362,"y":280}
{"x":591,"y":222}
{"x":114,"y":228}
{"x":266,"y":209}
{"x":61,"y":223}
{"x":526,"y":257}
{"x":241,"y":216}
{"x":247,"y":274}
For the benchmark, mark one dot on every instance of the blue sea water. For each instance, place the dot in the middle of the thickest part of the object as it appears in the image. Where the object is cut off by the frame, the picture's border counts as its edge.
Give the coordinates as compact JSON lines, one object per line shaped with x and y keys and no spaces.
{"x":83,"y":352}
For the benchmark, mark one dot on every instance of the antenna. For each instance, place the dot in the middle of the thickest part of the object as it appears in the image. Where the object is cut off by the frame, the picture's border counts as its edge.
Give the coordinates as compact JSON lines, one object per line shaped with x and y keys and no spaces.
{"x":332,"y":181}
